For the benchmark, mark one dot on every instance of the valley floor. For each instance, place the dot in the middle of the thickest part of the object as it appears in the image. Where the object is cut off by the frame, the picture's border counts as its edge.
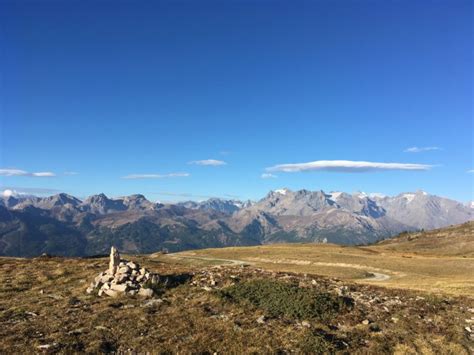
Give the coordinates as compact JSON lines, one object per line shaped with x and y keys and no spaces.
{"x":242,"y":300}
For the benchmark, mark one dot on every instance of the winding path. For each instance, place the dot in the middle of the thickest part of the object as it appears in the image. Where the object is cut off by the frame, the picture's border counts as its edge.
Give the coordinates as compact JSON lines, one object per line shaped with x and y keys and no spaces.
{"x":374,"y":276}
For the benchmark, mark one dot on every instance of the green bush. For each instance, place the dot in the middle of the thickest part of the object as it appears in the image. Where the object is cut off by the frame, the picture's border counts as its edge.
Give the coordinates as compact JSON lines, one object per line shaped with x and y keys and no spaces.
{"x":313,"y":343}
{"x":278,"y":298}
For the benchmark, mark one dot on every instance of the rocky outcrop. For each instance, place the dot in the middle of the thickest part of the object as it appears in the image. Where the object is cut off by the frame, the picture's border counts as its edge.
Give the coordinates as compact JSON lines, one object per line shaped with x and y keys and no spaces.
{"x":124,"y":277}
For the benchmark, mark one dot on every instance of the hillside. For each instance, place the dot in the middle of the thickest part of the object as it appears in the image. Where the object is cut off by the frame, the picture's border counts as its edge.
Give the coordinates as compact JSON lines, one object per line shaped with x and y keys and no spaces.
{"x":455,"y":241}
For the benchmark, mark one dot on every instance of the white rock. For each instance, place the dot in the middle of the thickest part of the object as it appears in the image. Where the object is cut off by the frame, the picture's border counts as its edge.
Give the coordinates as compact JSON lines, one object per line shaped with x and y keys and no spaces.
{"x":151,"y":303}
{"x":111,"y":293}
{"x":124,"y":270}
{"x":114,"y":260}
{"x":132,"y":265}
{"x":121,"y":278}
{"x":119,"y":287}
{"x":145,"y":292}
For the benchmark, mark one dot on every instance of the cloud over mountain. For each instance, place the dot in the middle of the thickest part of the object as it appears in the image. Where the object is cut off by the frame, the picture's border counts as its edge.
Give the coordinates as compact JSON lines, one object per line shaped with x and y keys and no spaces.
{"x":19,"y":172}
{"x":208,"y":162}
{"x":420,"y":149}
{"x":346,"y":166}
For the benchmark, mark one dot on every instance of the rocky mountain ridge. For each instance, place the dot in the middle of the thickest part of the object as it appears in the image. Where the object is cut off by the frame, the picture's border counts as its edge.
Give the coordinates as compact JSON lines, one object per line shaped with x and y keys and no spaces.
{"x":63,"y":224}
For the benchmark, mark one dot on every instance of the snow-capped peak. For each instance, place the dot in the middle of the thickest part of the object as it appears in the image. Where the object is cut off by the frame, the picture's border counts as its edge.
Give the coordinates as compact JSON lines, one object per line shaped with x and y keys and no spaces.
{"x":361,"y":194}
{"x":335,"y":195}
{"x":408,"y":197}
{"x":377,"y":195}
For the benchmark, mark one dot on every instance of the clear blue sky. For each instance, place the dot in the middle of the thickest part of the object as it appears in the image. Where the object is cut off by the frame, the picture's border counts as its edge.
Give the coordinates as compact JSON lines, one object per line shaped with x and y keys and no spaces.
{"x":109,"y":89}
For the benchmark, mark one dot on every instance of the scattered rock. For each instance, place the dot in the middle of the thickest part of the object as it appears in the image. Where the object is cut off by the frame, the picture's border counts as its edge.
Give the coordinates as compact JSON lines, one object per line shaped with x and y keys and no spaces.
{"x":145,"y":292}
{"x":46,"y":346}
{"x":101,"y":327}
{"x":306,"y":324}
{"x":109,"y":292}
{"x":261,"y":320}
{"x":365,"y":322}
{"x":152,"y":303}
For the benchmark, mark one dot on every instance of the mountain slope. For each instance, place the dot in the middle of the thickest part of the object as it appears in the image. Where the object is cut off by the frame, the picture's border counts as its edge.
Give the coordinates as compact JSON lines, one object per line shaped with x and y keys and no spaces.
{"x":64,"y":225}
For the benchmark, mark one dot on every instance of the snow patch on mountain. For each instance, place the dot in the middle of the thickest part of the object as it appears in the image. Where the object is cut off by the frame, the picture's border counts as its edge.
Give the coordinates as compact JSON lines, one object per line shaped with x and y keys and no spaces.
{"x":409,"y":197}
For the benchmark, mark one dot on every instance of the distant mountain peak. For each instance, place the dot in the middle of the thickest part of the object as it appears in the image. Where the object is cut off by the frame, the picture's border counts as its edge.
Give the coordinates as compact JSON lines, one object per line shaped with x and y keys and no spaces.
{"x":283,"y":191}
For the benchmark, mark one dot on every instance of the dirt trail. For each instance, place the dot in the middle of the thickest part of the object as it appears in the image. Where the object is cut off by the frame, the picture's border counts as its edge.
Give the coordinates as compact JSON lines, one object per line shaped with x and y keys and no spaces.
{"x":374,"y":276}
{"x":230,"y":261}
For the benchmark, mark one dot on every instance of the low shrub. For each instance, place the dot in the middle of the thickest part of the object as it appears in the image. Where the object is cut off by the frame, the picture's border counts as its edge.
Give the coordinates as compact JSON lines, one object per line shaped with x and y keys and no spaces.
{"x":278,"y":298}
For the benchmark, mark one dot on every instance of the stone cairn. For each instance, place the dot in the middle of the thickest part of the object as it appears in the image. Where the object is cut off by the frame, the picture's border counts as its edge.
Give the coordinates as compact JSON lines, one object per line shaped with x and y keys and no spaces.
{"x":123,"y":277}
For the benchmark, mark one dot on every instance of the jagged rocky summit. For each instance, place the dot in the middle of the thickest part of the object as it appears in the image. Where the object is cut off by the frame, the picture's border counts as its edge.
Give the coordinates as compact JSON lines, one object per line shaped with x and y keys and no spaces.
{"x":124,"y":277}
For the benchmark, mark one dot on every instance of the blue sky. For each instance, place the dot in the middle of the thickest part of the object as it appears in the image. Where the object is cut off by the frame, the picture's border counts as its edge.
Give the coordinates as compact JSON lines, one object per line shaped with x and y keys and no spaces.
{"x":114,"y":89}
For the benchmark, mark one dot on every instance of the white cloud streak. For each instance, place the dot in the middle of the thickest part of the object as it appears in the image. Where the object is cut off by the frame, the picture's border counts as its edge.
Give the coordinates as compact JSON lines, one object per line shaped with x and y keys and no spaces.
{"x":155,"y":176}
{"x":70,"y":173}
{"x":268,"y":176}
{"x":421,"y":149}
{"x":18,"y":172}
{"x":31,"y":190}
{"x":208,"y":162}
{"x":471,"y":171}
{"x":346,"y":166}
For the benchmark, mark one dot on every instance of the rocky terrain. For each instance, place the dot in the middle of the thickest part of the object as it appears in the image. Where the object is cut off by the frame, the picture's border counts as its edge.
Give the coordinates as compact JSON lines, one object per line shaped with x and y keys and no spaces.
{"x":65,"y":225}
{"x":44,"y":307}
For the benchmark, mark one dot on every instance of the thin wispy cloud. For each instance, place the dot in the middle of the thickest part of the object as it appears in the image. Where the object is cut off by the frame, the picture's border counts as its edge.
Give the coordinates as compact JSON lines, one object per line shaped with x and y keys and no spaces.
{"x":70,"y":173}
{"x":19,"y":172}
{"x":15,"y":190}
{"x":471,"y":171}
{"x":346,"y":166}
{"x":208,"y":162}
{"x":155,"y":176}
{"x":268,"y":176}
{"x":421,"y":149}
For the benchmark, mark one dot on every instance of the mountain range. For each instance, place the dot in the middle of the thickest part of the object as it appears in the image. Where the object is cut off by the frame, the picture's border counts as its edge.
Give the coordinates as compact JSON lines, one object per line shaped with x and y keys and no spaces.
{"x":65,"y":225}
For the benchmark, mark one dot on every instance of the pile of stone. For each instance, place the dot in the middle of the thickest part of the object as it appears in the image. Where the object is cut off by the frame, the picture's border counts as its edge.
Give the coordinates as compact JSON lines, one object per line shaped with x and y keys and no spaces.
{"x":124,"y":277}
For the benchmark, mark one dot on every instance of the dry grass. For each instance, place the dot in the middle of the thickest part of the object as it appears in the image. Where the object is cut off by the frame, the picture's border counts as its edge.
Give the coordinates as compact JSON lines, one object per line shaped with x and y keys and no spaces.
{"x":452,"y":241}
{"x":434,"y":273}
{"x":43,"y":302}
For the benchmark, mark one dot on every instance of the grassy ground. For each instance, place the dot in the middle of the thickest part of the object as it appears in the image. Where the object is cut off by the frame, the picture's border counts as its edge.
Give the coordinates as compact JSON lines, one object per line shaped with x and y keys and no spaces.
{"x":223,"y":309}
{"x":419,"y":268}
